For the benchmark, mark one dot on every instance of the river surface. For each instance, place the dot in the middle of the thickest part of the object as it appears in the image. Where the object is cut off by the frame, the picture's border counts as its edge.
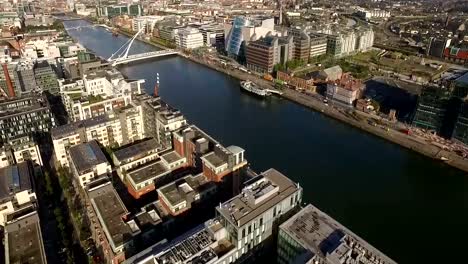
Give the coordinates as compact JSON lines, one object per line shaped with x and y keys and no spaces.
{"x":410,"y":207}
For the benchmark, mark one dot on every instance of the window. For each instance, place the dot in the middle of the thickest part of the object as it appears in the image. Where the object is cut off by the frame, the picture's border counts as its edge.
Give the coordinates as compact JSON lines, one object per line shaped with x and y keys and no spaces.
{"x":243,"y":233}
{"x":261,"y":221}
{"x":250,"y":229}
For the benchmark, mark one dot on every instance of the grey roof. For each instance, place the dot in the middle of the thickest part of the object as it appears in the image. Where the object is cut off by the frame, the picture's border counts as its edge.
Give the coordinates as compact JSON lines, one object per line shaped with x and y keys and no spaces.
{"x":14,"y":179}
{"x":137,"y":150}
{"x":73,"y":128}
{"x":176,"y":193}
{"x":147,"y":171}
{"x":235,"y":149}
{"x":240,"y":211}
{"x":87,"y":155}
{"x":171,"y":157}
{"x":214,"y":159}
{"x":111,"y":211}
{"x":24,"y":240}
{"x":325,"y":238}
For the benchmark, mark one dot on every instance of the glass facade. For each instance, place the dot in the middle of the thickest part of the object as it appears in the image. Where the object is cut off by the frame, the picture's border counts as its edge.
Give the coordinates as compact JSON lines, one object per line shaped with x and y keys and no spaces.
{"x":235,"y":36}
{"x":431,"y":109}
{"x":288,"y":248}
{"x":461,"y":127}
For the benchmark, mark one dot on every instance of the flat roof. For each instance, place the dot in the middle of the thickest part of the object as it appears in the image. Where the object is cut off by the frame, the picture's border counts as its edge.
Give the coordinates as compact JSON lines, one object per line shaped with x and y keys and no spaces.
{"x":240,"y":211}
{"x":323,"y":236}
{"x":86,"y":156}
{"x":73,"y":128}
{"x":111,"y":211}
{"x":214,"y":159}
{"x":176,"y":192}
{"x":171,"y":157}
{"x":137,"y":150}
{"x":14,"y":179}
{"x":9,"y":108}
{"x":24,"y":240}
{"x":148,"y":171}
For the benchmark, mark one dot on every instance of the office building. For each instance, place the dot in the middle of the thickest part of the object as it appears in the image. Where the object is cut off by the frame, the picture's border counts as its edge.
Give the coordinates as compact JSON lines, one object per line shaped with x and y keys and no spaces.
{"x":437,"y":46}
{"x":318,"y":44}
{"x":118,"y":10}
{"x":311,"y":236}
{"x":263,"y":54}
{"x":346,"y":42}
{"x":145,"y":23}
{"x":242,"y":225}
{"x":189,"y":38}
{"x":243,"y":30}
{"x":115,"y":128}
{"x":24,"y":77}
{"x":461,"y":125}
{"x":213,"y":36}
{"x":46,"y":79}
{"x":302,"y":44}
{"x":25,"y":116}
{"x":88,"y":163}
{"x":431,"y":109}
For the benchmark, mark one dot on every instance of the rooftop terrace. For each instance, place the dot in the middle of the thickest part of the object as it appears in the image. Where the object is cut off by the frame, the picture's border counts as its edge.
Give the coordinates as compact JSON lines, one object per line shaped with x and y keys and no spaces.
{"x":260,"y":194}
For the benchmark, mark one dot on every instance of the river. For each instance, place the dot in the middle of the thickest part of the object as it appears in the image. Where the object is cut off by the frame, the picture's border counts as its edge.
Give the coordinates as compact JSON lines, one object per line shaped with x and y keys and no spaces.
{"x":410,"y":207}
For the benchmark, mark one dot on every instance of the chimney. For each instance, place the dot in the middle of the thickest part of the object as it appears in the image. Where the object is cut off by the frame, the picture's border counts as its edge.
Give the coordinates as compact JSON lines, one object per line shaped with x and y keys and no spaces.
{"x":156,"y":87}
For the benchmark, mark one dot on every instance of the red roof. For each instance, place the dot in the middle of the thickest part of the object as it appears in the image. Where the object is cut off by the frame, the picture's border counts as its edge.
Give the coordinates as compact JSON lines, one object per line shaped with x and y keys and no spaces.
{"x":456,"y":53}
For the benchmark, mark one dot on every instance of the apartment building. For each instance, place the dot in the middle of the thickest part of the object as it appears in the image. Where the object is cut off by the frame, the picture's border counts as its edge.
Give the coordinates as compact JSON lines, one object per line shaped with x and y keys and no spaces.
{"x":88,"y":163}
{"x":179,"y":196}
{"x":116,"y":128}
{"x":241,"y":226}
{"x":97,"y":93}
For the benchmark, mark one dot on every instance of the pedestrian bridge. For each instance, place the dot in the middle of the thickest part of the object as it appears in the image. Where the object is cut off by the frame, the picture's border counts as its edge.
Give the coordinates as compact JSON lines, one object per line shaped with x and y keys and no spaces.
{"x":143,"y":56}
{"x":121,"y":56}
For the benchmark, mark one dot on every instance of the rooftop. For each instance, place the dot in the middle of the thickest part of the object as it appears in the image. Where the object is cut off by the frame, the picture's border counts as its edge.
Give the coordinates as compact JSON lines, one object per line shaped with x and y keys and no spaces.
{"x":327,"y":239}
{"x":171,"y":157}
{"x":261,"y":193}
{"x":86,"y":156}
{"x":137,"y":150}
{"x":111,"y":212}
{"x":15,"y":179}
{"x":22,"y":105}
{"x":73,"y":128}
{"x":177,"y":191}
{"x":24,"y":240}
{"x":214,"y":159}
{"x":148,"y":171}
